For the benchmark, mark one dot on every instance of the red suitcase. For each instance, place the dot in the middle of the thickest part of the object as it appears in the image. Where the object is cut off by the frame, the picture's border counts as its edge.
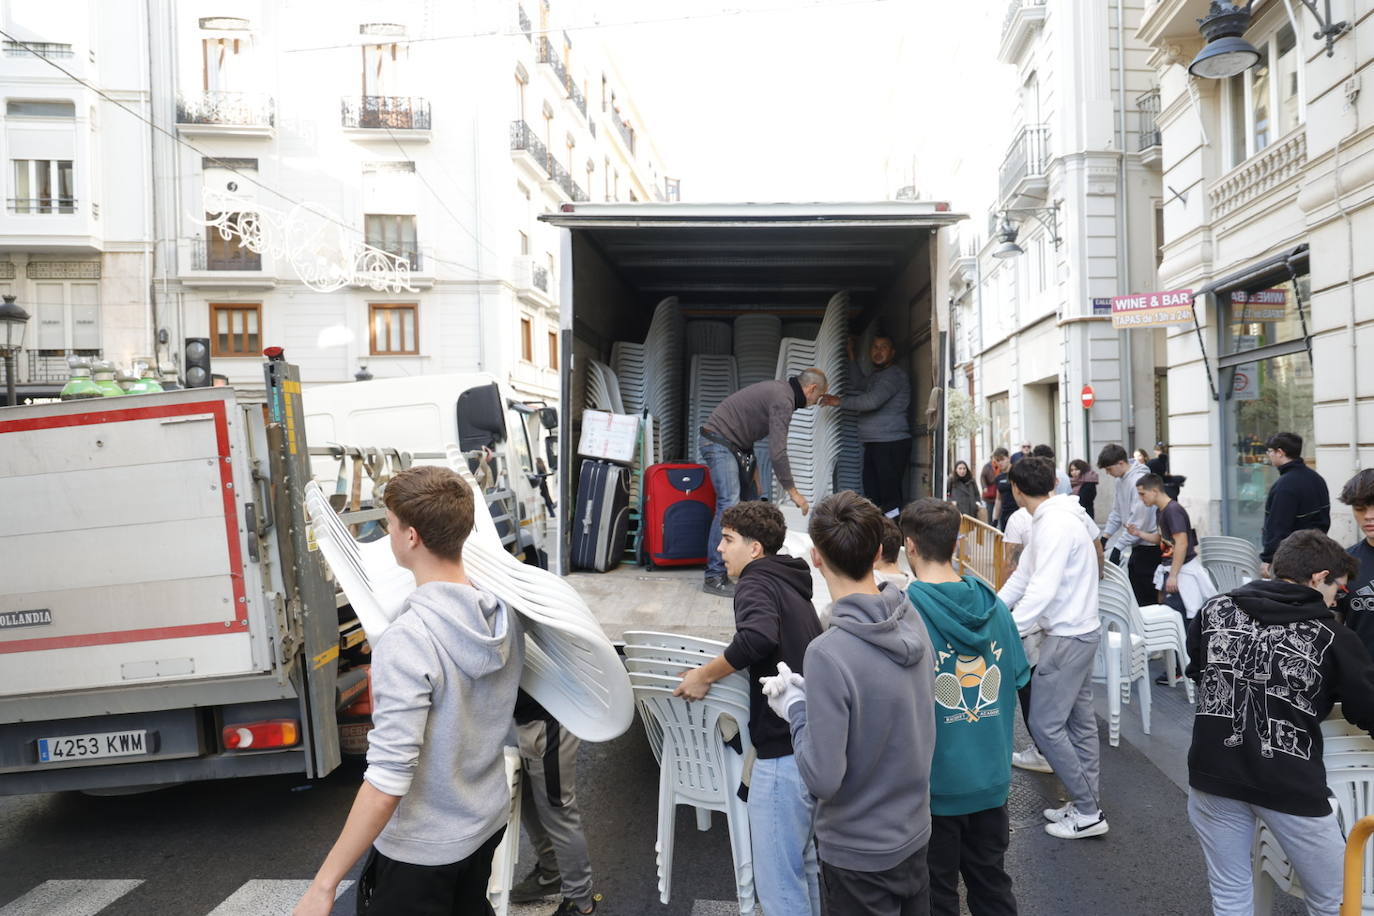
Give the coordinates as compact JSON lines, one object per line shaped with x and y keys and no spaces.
{"x":679,"y":504}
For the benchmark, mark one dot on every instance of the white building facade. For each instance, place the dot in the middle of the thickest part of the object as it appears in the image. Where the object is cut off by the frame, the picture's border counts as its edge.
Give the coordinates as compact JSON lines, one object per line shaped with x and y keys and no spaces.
{"x":434,"y":132}
{"x":1271,"y":177}
{"x":1080,"y":186}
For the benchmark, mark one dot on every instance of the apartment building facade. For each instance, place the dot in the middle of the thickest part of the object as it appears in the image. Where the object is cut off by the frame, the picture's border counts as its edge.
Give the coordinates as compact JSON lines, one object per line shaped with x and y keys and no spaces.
{"x":1270,"y":175}
{"x":1073,"y":224}
{"x":434,"y":133}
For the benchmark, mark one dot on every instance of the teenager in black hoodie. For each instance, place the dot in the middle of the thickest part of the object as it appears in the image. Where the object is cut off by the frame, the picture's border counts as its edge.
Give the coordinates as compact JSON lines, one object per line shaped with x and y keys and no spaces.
{"x":774,"y":622}
{"x":1270,"y":660}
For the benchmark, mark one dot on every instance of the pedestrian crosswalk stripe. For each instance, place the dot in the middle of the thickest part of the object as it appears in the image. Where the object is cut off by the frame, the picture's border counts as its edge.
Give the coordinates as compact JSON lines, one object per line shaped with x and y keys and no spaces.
{"x":262,"y":897}
{"x":69,"y":898}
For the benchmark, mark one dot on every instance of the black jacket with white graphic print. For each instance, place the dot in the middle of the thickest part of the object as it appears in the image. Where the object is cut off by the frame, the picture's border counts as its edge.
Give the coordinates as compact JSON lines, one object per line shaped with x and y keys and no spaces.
{"x":1270,"y":661}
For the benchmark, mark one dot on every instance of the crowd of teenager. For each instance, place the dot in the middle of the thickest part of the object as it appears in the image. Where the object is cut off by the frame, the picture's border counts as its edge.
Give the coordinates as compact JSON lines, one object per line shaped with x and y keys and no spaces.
{"x":883,"y":723}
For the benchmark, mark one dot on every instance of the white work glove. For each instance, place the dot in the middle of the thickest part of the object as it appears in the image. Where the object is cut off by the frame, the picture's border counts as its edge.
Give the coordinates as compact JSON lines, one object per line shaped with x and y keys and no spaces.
{"x":783,"y":690}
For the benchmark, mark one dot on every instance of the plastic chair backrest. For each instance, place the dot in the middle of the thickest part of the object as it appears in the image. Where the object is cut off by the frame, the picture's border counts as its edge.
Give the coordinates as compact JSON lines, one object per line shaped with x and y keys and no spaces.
{"x":674,"y":641}
{"x":693,"y":750}
{"x":1113,"y":573}
{"x":734,"y":688}
{"x":1350,"y":777}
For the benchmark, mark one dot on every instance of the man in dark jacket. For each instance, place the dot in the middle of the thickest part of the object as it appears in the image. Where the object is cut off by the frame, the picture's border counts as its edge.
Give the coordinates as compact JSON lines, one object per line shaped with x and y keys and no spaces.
{"x":1299,"y":499}
{"x":774,"y":622}
{"x":883,"y":400}
{"x":1270,"y":660}
{"x":863,"y":723}
{"x":1356,"y":606}
{"x":727,"y":449}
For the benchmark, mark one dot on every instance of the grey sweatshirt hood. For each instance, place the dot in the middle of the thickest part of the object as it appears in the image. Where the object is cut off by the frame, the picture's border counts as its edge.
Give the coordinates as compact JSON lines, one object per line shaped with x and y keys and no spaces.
{"x":470,"y":626}
{"x":882,"y":620}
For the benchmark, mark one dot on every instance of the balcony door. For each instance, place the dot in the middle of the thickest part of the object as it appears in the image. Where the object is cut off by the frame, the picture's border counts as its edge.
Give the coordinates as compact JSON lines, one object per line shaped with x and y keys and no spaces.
{"x":225,"y":63}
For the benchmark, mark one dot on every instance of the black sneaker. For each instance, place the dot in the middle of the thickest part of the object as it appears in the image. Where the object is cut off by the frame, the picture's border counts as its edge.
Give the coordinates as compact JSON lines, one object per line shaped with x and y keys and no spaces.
{"x":535,"y":886}
{"x":721,"y":587}
{"x":570,"y":908}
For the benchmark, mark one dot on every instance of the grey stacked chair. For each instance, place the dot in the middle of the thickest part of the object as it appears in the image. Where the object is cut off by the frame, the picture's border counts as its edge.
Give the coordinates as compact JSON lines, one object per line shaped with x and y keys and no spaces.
{"x":663,"y":372}
{"x":814,"y":440}
{"x":794,"y":355}
{"x":849,"y":470}
{"x":710,"y":338}
{"x":712,"y":379}
{"x":801,"y":330}
{"x":757,"y":341}
{"x":603,"y":388}
{"x":628,"y":362}
{"x":1231,"y":562}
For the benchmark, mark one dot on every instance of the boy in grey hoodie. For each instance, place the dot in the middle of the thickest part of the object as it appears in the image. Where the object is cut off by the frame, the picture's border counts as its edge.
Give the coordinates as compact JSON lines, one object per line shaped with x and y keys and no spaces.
{"x":863,"y":723}
{"x":434,"y":800}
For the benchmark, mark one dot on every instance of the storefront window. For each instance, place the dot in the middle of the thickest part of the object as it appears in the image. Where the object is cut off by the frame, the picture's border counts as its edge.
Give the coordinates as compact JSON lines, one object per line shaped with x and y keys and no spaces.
{"x":1266,"y":382}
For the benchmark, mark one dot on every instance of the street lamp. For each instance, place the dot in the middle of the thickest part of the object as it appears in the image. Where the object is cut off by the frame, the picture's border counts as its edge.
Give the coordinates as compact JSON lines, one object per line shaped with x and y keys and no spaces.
{"x":1007,"y":230}
{"x":1006,"y":234}
{"x":13,"y":322}
{"x":362,"y":375}
{"x":1227,"y":53}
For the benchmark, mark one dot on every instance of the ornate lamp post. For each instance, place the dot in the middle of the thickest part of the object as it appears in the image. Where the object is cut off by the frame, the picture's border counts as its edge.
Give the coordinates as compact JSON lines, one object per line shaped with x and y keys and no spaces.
{"x":14,"y":321}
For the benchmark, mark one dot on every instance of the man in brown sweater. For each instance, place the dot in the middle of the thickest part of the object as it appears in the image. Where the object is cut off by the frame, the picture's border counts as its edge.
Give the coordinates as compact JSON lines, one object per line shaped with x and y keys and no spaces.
{"x":727,"y":444}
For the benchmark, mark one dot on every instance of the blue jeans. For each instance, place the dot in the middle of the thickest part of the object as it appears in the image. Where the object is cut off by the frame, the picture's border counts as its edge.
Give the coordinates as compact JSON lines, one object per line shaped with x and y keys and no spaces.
{"x":720,"y":461}
{"x":781,"y":813}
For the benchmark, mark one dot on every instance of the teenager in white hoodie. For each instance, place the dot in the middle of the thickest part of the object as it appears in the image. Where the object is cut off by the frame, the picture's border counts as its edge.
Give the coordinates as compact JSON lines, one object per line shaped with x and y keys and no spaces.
{"x":1055,"y":589}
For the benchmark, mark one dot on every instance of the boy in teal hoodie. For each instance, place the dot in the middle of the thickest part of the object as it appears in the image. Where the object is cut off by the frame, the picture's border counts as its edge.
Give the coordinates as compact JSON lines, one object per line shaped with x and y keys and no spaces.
{"x":979,"y":665}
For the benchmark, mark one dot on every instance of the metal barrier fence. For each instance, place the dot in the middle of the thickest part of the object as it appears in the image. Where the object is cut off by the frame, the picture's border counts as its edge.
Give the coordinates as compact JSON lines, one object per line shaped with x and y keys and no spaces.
{"x":981,"y":552}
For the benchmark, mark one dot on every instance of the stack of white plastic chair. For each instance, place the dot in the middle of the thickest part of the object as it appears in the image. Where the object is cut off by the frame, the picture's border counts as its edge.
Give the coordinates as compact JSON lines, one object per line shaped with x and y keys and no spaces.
{"x":571,"y":668}
{"x":797,"y":543}
{"x":508,"y":852}
{"x":814,"y":437}
{"x":663,"y":349}
{"x":627,"y":362}
{"x":710,"y":338}
{"x":603,"y":388}
{"x":849,"y":468}
{"x":1348,"y":753}
{"x":1124,"y":660}
{"x":1231,"y":562}
{"x":712,"y":380}
{"x":697,"y":766}
{"x":757,"y":341}
{"x":801,"y":330}
{"x":1161,"y":626}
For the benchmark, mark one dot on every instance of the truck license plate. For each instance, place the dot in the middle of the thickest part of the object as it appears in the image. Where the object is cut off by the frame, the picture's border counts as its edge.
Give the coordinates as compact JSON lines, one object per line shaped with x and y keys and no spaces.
{"x":89,"y":747}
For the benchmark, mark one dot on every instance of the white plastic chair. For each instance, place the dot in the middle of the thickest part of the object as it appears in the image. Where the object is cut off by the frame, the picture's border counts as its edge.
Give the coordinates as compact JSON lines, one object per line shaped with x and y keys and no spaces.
{"x":571,"y":668}
{"x":1161,"y":626}
{"x":1349,"y":757}
{"x":698,"y":769}
{"x":1231,"y":562}
{"x":1123,"y":660}
{"x":508,"y":852}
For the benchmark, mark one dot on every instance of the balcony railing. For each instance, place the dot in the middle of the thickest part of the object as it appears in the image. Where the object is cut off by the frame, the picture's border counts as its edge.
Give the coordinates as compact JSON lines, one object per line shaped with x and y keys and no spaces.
{"x":42,"y":204}
{"x":1028,"y":157}
{"x":397,"y":112}
{"x":1014,"y":7}
{"x":46,"y":49}
{"x":626,"y":131}
{"x":406,"y":254}
{"x":540,"y":276}
{"x":228,"y":108}
{"x":525,"y":25}
{"x":523,"y":137}
{"x":223,"y":256}
{"x":547,"y":55}
{"x":1148,"y":107}
{"x":51,"y":365}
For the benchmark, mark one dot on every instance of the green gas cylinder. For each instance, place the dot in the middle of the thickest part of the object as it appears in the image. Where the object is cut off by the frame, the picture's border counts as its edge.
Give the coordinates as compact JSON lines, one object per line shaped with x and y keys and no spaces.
{"x":80,"y":385}
{"x":103,"y":371}
{"x":147,"y":380}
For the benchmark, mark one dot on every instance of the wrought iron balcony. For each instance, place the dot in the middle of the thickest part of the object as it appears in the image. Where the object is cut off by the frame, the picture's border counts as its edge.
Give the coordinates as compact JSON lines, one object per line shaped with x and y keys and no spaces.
{"x":224,"y":254}
{"x":525,"y":25}
{"x":47,"y":49}
{"x":42,"y":204}
{"x":247,"y":109}
{"x":1148,"y":109}
{"x":547,"y":55}
{"x":523,"y":137}
{"x":1027,"y":158}
{"x":51,"y":365}
{"x":395,"y":112}
{"x":410,"y":255}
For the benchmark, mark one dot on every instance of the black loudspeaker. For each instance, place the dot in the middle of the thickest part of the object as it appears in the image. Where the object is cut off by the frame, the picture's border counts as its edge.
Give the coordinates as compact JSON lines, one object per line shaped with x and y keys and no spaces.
{"x":197,"y":362}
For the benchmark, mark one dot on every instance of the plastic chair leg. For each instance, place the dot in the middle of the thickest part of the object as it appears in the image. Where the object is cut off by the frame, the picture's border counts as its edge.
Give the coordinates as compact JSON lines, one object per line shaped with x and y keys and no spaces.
{"x":1145,"y":700}
{"x":742,"y":853}
{"x":1264,"y":892}
{"x":703,"y":819}
{"x":1114,"y":697}
{"x":667,"y":814}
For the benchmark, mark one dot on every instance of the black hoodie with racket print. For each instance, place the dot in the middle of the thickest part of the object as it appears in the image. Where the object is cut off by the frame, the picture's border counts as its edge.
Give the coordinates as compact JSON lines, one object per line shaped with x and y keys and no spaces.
{"x":1270,"y":661}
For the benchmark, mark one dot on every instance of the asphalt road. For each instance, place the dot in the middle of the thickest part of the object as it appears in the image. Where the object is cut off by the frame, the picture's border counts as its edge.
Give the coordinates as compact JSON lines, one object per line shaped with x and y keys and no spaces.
{"x":229,"y":848}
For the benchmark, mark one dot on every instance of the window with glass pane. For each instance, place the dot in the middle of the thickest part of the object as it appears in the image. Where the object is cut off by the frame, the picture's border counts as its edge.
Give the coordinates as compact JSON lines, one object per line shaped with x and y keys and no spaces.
{"x":1237,"y":119}
{"x":235,"y":329}
{"x":43,"y":186}
{"x":1286,"y":67}
{"x":1263,"y":398}
{"x":1268,"y":314}
{"x":229,"y":253}
{"x":1261,"y":130}
{"x":393,"y":234}
{"x":999,"y":412}
{"x":553,"y":350}
{"x":395,"y":330}
{"x":527,"y":340}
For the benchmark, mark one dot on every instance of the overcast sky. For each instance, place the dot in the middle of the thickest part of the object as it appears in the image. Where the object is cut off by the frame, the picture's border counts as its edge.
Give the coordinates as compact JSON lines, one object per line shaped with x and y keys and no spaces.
{"x":806,"y":100}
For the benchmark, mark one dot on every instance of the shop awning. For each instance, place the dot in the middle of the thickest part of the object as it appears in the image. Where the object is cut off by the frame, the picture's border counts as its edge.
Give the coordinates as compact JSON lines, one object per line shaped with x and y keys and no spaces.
{"x":1288,"y":263}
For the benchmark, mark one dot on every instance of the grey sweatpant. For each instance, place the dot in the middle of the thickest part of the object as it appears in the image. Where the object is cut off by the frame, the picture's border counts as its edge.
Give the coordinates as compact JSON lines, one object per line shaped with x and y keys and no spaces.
{"x":1226,"y":828}
{"x":548,"y":806}
{"x":1062,"y":720}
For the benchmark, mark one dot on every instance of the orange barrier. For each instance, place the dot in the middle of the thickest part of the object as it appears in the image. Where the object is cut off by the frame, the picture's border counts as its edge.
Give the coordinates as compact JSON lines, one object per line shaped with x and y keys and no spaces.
{"x":981,"y":552}
{"x":1354,"y":866}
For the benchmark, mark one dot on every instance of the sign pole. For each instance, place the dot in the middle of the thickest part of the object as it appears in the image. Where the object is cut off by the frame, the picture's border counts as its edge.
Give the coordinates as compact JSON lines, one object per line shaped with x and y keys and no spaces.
{"x":1088,"y":397}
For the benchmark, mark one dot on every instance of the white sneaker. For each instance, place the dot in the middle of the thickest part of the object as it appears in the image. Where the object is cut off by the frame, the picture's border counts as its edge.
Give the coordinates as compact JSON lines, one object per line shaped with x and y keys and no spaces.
{"x":1031,"y":759}
{"x":1077,"y":826}
{"x":1062,"y":813}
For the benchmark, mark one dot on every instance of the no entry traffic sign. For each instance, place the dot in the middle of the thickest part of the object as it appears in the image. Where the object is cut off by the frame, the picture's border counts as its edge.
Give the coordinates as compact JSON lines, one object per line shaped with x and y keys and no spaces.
{"x":1089,"y":396}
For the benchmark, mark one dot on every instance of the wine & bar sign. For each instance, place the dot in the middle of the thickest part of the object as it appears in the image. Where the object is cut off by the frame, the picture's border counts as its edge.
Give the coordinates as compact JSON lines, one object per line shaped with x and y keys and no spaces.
{"x":1153,"y":310}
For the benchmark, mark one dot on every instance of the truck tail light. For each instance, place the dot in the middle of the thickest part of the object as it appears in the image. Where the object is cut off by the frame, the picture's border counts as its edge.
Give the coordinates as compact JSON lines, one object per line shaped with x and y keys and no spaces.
{"x":246,"y":736}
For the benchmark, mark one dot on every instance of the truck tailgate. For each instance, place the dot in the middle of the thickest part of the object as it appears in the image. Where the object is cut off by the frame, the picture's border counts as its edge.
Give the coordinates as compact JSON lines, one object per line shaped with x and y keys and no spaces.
{"x":123,"y":545}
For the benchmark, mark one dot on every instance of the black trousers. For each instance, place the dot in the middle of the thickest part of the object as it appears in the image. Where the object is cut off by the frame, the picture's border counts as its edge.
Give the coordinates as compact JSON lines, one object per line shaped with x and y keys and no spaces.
{"x":973,"y":845}
{"x":902,"y":890}
{"x":1140,"y":568}
{"x":884,"y":470}
{"x":1023,"y":695}
{"x":390,"y":888}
